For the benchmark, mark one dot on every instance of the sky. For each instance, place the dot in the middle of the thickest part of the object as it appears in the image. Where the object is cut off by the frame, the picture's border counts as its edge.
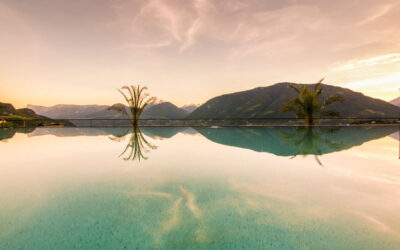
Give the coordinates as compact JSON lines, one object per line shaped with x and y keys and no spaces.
{"x":188,"y":51}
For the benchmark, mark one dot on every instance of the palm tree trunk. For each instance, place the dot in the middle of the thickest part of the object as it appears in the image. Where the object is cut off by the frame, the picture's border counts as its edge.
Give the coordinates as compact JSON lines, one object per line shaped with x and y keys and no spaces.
{"x":309,"y":120}
{"x":135,"y":123}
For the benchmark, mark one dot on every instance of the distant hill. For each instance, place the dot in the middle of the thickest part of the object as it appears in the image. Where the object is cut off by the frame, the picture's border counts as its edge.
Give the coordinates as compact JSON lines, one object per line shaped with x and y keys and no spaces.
{"x":396,"y":102}
{"x":163,"y":110}
{"x":67,"y":110}
{"x":266,"y":102}
{"x":26,"y":116}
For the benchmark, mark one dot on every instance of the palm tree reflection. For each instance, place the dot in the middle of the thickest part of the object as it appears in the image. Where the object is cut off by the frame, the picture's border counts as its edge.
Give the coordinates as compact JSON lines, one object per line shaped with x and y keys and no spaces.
{"x":309,"y":141}
{"x":137,"y":145}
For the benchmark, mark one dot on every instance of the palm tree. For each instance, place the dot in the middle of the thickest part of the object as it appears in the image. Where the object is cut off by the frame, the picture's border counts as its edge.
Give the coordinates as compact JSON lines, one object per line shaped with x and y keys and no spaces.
{"x":137,"y":101}
{"x":307,"y":104}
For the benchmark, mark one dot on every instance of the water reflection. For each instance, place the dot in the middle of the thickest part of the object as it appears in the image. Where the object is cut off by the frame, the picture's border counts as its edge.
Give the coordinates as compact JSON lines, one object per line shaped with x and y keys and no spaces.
{"x":8,"y":133}
{"x":71,"y":193}
{"x":310,"y":140}
{"x":153,"y":132}
{"x":281,"y":141}
{"x":164,"y":132}
{"x":292,"y":141}
{"x":137,"y":144}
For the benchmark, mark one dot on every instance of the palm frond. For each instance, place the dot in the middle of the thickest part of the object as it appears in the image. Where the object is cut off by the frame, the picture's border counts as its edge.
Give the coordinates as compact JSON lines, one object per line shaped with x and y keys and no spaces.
{"x":333,"y":99}
{"x":120,"y":108}
{"x":292,"y":105}
{"x":137,"y":101}
{"x":307,"y":104}
{"x":123,"y":94}
{"x":318,"y":84}
{"x":332,"y":113}
{"x":295,"y":89}
{"x":317,"y":160}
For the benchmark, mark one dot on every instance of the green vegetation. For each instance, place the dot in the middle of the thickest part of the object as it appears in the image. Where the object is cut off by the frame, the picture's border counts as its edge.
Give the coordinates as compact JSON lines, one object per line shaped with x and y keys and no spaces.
{"x":6,"y":124}
{"x":11,"y":117}
{"x":9,"y":132}
{"x":137,"y":102}
{"x":307,"y":105}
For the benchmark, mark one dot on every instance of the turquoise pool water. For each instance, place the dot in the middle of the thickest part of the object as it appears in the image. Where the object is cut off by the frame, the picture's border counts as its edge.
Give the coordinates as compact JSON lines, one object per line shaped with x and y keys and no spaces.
{"x":200,"y":188}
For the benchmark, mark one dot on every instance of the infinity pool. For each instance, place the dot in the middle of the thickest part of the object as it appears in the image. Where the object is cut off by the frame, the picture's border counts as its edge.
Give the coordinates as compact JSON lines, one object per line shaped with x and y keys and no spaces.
{"x":207,"y":188}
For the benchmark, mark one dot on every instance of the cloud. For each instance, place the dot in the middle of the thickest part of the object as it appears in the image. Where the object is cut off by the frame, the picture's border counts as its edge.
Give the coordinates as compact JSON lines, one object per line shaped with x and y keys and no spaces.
{"x":15,"y":27}
{"x":159,"y":23}
{"x":377,"y":12}
{"x":369,"y":62}
{"x":241,"y":28}
{"x":389,"y":82}
{"x":205,"y":45}
{"x":181,"y":23}
{"x":376,"y":76}
{"x":201,"y":7}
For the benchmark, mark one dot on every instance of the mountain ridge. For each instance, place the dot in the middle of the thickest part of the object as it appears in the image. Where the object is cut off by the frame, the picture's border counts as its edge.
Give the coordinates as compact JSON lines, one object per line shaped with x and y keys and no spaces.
{"x":27,"y":117}
{"x":259,"y":102}
{"x":396,"y":102}
{"x":159,"y":110}
{"x":266,"y":102}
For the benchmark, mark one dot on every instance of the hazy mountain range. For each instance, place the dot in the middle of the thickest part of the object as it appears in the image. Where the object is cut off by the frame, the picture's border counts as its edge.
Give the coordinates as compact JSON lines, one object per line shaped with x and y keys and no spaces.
{"x":164,"y":110}
{"x":190,"y":107}
{"x":396,"y":102}
{"x":262,"y":102}
{"x":27,"y":116}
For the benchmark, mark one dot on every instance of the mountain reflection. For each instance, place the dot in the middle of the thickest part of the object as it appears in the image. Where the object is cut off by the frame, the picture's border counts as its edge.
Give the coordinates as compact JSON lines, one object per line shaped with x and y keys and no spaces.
{"x":292,"y":141}
{"x":137,"y":144}
{"x":281,"y":141}
{"x":153,"y":132}
{"x":8,"y":133}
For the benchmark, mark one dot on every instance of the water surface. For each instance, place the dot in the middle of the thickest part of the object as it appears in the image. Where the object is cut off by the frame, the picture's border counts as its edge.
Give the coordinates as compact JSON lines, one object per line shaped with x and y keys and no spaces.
{"x":274,"y":188}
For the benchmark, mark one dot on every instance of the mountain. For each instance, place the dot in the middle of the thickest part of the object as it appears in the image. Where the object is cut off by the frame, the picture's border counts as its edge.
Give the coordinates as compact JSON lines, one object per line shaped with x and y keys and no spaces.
{"x":266,"y":102}
{"x":67,"y":110}
{"x":190,"y":107}
{"x":105,"y":113}
{"x":7,"y":109}
{"x":163,"y":110}
{"x":396,"y":102}
{"x":27,"y":117}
